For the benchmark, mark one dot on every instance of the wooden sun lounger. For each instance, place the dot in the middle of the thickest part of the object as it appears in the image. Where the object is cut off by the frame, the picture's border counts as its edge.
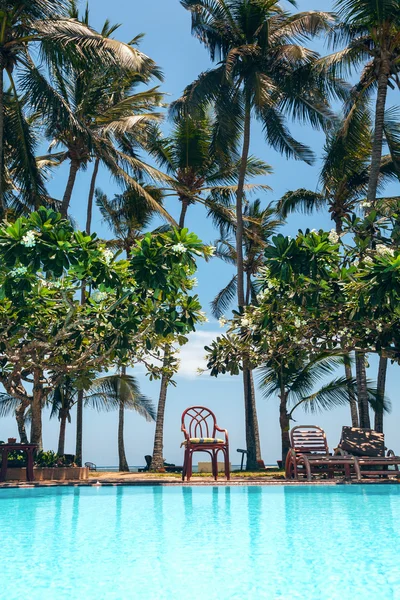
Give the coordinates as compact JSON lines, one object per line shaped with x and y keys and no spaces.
{"x":369,"y":448}
{"x":309,"y":455}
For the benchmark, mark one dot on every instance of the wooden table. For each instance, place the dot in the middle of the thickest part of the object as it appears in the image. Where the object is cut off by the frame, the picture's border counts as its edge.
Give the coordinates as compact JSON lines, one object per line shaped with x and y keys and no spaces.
{"x":5,"y":449}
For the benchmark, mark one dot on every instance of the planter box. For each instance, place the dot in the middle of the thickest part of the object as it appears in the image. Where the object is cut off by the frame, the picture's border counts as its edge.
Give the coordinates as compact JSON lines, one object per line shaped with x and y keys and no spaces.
{"x":50,"y":474}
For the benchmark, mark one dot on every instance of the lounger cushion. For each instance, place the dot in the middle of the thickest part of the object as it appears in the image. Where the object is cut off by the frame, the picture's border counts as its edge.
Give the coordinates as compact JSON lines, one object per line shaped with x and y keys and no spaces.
{"x":362,"y":442}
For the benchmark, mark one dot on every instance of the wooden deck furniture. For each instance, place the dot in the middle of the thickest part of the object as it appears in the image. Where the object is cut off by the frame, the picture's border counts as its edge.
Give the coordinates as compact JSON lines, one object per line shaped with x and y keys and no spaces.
{"x":309,"y":456}
{"x":29,"y":449}
{"x":199,"y":426}
{"x":368,"y":446}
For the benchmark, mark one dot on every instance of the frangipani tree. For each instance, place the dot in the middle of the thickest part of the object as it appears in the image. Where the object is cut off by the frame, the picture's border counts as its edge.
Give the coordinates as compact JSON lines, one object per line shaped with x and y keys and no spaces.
{"x":318,"y":298}
{"x":46,"y":334}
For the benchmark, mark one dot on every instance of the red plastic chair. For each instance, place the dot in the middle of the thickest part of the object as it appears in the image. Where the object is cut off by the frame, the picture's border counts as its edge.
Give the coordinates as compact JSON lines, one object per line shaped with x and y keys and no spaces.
{"x":199,"y":427}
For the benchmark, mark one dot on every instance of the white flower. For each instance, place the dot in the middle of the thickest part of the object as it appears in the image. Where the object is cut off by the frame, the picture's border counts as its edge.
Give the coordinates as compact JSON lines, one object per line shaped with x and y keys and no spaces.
{"x":211,"y":250}
{"x":356,"y":263}
{"x":179,"y":248}
{"x":222,"y":321}
{"x":18,"y":271}
{"x":108,"y":255}
{"x":98,"y":296}
{"x":333,"y":237}
{"x":279,"y":327}
{"x":245,"y":322}
{"x":365,"y":204}
{"x":368,"y":260}
{"x":379,"y":328}
{"x":194,"y":281}
{"x":314,"y":231}
{"x":28,"y":239}
{"x":203,"y":316}
{"x":383,"y":250}
{"x":297,"y":322}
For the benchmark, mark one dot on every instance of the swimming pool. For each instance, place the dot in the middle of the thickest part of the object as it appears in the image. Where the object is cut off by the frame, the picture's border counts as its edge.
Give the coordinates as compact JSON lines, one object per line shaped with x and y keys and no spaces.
{"x":247,"y":543}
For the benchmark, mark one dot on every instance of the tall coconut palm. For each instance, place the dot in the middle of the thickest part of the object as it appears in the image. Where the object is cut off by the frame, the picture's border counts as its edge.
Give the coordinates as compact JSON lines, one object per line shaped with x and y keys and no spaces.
{"x":127,"y":215}
{"x":259,"y":225}
{"x":294,"y":383}
{"x":24,"y":26}
{"x":200,"y":173}
{"x":264,"y":74}
{"x":97,"y":115}
{"x":119,"y":391}
{"x":371,"y":34}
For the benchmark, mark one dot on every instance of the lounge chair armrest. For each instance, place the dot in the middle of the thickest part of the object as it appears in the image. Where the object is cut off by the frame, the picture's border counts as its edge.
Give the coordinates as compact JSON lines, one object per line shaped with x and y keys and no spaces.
{"x":390,"y":453}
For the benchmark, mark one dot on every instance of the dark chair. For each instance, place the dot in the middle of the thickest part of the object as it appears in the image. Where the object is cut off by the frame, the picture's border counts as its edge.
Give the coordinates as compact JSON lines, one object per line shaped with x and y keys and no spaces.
{"x":369,"y":448}
{"x":199,"y":427}
{"x":91,"y":466}
{"x":309,"y":455}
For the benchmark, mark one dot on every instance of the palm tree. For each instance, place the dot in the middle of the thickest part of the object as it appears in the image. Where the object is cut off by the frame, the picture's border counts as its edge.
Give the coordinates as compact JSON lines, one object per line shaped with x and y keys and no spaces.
{"x":119,"y":391}
{"x":259,"y":225}
{"x":344,"y":180}
{"x":371,"y":34}
{"x":199,"y":173}
{"x":99,"y":115}
{"x":24,"y":25}
{"x":294,"y":383}
{"x":263,"y":73}
{"x":127,"y":215}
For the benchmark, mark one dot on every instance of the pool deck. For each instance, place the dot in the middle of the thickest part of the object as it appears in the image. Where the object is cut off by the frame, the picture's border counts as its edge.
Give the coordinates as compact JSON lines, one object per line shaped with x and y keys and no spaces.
{"x":138,"y":479}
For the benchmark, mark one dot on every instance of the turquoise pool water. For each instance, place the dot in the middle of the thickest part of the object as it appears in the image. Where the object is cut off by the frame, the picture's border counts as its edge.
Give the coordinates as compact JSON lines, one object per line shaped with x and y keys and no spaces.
{"x":210,"y":543}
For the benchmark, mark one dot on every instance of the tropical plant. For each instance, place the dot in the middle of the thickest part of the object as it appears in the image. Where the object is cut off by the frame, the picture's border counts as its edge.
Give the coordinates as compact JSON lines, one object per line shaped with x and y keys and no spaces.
{"x":345,"y":171}
{"x":123,"y":391}
{"x":135,"y":305}
{"x":98,"y":114}
{"x":371,"y":34}
{"x":263,"y":73}
{"x":62,"y":41}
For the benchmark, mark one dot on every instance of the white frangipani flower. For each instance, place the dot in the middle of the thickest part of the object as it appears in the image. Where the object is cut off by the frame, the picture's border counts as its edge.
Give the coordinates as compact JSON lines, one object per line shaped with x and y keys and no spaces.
{"x":333,"y":237}
{"x":179,"y":248}
{"x":383,"y":250}
{"x":28,"y":239}
{"x":108,"y":255}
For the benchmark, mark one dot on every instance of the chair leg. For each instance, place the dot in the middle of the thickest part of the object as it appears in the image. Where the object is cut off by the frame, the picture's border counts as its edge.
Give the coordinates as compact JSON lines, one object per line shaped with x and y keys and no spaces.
{"x":214,"y":462}
{"x":189,"y":466}
{"x":185,"y":461}
{"x":227,"y":471}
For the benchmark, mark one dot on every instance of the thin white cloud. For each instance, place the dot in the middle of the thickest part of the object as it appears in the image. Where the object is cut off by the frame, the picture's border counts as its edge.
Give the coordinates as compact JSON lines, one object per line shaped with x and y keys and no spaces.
{"x":192,"y":355}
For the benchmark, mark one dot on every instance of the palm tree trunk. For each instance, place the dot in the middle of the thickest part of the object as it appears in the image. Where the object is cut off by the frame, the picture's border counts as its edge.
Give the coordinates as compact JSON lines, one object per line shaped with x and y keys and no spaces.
{"x":2,"y":206}
{"x":79,"y":428}
{"x":73,"y":170}
{"x":284,"y":422}
{"x":123,"y":463}
{"x":381,"y":385}
{"x":36,"y":409}
{"x":352,"y":399}
{"x":376,"y":154}
{"x":239,"y":202}
{"x":61,"y":436}
{"x":362,"y":394}
{"x":158,"y":449}
{"x":182,"y":216}
{"x":91,"y":195}
{"x":20,"y":418}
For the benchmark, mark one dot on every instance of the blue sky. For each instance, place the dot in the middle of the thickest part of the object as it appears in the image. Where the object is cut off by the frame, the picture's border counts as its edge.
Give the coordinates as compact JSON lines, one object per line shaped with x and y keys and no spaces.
{"x":169,"y":42}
